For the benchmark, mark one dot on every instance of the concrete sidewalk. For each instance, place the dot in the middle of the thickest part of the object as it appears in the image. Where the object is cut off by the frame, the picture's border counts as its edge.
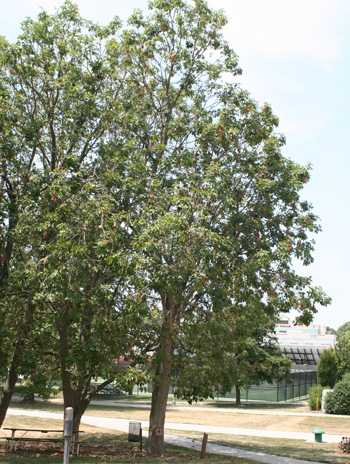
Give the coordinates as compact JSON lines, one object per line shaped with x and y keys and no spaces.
{"x":123,"y":426}
{"x":227,"y":451}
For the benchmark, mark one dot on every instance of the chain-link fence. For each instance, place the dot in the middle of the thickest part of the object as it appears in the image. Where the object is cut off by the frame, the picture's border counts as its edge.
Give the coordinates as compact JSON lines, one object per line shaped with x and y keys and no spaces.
{"x":301,"y":379}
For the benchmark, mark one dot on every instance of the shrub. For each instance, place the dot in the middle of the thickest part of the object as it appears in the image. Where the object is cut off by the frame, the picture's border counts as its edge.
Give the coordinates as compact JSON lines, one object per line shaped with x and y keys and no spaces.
{"x":314,"y":393}
{"x":344,"y":445}
{"x":338,"y":400}
{"x":327,"y":368}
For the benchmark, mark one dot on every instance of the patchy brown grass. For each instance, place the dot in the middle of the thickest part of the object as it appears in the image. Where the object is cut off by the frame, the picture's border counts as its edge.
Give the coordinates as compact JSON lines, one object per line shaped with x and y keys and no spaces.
{"x":99,"y":445}
{"x":107,"y":446}
{"x":297,"y":449}
{"x":234,"y":418}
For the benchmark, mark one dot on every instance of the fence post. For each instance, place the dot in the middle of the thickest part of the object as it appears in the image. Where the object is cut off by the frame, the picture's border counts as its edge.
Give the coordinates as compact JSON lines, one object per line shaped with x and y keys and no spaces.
{"x":204,"y":445}
{"x":285,"y":393}
{"x":68,"y":429}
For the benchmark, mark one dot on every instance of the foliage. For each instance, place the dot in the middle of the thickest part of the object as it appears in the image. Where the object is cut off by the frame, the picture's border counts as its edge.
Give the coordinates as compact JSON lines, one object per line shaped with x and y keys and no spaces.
{"x":315,"y":397}
{"x":346,"y":376}
{"x":38,"y":385}
{"x":246,"y":355}
{"x":217,"y":218}
{"x":342,"y":351}
{"x":327,"y":368}
{"x":331,"y":331}
{"x":59,"y":289}
{"x":342,"y":330}
{"x":338,"y":400}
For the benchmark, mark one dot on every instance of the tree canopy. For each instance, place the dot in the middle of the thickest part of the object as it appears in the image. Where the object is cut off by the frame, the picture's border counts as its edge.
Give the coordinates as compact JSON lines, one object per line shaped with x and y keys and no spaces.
{"x":343,"y":329}
{"x":343,"y":355}
{"x":220,"y":218}
{"x":147,"y":208}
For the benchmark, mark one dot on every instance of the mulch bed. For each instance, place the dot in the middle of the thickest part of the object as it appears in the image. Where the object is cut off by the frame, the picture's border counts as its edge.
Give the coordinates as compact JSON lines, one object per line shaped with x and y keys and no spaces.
{"x":86,"y":449}
{"x":98,"y":451}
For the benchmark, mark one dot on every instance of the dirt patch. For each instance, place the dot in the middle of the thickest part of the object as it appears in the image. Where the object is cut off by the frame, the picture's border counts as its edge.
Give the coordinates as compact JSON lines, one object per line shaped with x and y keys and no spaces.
{"x":99,"y":452}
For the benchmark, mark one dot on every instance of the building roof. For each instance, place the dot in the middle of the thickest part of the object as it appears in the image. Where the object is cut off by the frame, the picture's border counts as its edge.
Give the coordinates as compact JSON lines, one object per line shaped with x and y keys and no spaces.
{"x":303,"y":355}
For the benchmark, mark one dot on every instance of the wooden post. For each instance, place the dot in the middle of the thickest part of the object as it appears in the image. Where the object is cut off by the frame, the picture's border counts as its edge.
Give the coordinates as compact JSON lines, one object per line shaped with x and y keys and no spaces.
{"x":204,"y":445}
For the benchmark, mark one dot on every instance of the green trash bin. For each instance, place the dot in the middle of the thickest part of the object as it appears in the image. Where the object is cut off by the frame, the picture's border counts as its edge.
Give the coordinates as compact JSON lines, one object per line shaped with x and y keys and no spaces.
{"x":318,"y":435}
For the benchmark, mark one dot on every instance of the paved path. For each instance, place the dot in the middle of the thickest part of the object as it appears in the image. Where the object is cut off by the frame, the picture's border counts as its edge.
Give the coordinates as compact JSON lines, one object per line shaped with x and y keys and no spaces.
{"x":227,"y":451}
{"x":123,"y":426}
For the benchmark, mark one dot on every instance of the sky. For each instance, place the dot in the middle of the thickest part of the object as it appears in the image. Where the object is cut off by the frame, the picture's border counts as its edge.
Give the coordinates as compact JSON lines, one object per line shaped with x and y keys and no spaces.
{"x":295,"y":55}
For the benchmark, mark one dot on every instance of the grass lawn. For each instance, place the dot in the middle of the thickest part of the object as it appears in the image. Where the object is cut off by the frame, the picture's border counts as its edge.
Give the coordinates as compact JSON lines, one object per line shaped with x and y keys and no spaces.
{"x":217,"y":403}
{"x":297,"y":449}
{"x":101,"y":446}
{"x":234,"y":417}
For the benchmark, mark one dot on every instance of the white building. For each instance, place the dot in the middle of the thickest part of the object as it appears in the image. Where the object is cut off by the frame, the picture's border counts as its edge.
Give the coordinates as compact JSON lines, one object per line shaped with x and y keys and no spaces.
{"x":303,"y":344}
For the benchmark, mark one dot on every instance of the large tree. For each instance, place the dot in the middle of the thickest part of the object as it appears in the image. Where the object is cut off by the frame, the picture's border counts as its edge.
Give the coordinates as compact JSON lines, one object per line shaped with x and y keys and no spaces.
{"x":218,"y":217}
{"x":59,"y":223}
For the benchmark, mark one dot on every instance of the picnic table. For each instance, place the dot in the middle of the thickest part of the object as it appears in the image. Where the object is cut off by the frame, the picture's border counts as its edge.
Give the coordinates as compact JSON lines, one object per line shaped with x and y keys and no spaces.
{"x":12,"y":441}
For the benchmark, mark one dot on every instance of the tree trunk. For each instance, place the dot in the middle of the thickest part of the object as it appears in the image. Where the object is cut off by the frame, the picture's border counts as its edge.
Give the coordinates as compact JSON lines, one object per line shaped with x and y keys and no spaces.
{"x":78,"y":395}
{"x":9,"y":387}
{"x":159,"y":403}
{"x":163,"y":364}
{"x":238,"y":396}
{"x":78,"y":414}
{"x":12,"y":375}
{"x":73,"y":398}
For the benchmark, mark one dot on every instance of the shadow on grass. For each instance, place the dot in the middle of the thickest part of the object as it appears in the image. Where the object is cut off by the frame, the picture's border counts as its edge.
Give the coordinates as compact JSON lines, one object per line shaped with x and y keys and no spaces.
{"x":108,"y":448}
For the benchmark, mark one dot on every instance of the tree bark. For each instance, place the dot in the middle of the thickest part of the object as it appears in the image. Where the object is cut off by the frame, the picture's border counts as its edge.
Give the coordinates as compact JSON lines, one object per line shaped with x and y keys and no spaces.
{"x":159,"y":403}
{"x":9,"y":387}
{"x":81,"y":406}
{"x":78,"y":399}
{"x":238,"y":396}
{"x":163,"y":364}
{"x":12,"y":375}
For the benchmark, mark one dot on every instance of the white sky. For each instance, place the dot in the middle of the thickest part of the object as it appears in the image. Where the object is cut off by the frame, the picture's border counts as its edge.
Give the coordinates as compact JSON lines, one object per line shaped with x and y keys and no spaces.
{"x":295,"y":54}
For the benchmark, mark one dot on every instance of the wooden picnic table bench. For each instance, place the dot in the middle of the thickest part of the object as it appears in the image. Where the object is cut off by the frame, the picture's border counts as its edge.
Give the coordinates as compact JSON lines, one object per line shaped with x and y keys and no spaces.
{"x":13,"y":439}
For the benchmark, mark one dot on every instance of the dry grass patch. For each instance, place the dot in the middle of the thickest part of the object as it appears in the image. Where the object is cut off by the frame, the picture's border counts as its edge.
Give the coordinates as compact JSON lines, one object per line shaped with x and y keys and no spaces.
{"x":100,"y":445}
{"x":332,"y":425}
{"x":297,"y":449}
{"x":273,"y":421}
